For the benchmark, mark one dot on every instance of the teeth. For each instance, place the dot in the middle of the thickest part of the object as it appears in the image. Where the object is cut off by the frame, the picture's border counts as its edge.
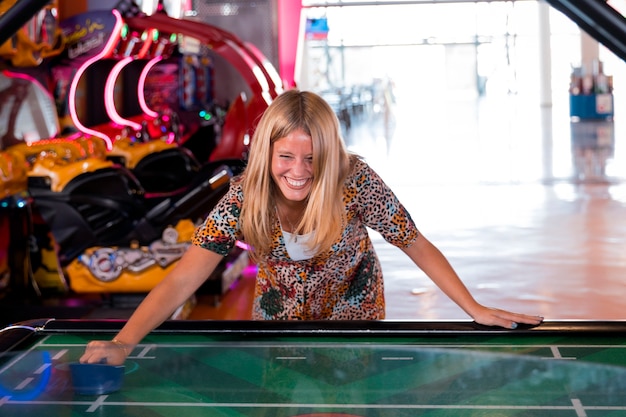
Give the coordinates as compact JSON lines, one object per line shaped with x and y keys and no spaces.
{"x":295,"y":183}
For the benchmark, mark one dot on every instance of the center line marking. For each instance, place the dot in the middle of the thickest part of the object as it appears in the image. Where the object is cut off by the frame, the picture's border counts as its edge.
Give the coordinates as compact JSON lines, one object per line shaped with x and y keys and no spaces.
{"x":397,"y":358}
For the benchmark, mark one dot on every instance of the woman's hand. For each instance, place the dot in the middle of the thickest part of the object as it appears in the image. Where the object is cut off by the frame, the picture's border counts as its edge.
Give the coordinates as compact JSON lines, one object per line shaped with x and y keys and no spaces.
{"x":496,"y":317}
{"x":111,"y":352}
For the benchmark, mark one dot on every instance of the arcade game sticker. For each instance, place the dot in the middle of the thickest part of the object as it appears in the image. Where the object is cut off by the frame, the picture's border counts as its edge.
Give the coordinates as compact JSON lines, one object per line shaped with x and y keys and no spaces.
{"x":87,"y":34}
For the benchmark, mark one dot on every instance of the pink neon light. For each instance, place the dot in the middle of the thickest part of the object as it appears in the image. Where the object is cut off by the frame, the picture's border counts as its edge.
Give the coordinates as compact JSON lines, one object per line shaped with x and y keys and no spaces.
{"x":27,"y":77}
{"x":112,"y":41}
{"x":109,"y":95}
{"x":141,"y":84}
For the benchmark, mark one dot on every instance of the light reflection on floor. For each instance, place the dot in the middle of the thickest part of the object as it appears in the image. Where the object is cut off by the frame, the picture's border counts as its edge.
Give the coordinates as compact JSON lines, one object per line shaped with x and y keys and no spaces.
{"x":531,"y":218}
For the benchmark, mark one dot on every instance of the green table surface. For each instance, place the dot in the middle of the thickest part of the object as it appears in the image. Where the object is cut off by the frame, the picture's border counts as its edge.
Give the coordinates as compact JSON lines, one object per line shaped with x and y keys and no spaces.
{"x":353,"y":373}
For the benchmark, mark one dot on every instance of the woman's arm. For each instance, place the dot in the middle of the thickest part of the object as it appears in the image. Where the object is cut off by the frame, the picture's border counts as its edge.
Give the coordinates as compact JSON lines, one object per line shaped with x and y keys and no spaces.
{"x":190,"y":272}
{"x":428,"y":258}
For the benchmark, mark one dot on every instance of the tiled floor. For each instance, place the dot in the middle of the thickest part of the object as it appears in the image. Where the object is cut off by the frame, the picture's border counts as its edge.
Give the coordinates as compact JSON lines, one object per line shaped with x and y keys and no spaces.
{"x":532,"y":217}
{"x":532,"y":220}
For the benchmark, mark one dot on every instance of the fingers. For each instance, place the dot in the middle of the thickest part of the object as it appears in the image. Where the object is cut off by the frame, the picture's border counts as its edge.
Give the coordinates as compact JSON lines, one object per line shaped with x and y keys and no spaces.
{"x":103,"y":352}
{"x":526,"y":319}
{"x":507,"y":319}
{"x":506,"y":323}
{"x":534,"y":320}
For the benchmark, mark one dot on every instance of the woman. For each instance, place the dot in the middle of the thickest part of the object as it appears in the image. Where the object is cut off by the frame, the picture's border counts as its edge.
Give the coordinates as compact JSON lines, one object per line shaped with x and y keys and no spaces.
{"x":302,"y":204}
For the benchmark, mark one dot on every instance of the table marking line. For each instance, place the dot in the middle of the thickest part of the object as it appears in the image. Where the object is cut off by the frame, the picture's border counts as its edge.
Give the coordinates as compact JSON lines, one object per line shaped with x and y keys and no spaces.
{"x":5,"y":400}
{"x":49,"y":402}
{"x":100,"y":402}
{"x":578,"y":407}
{"x":24,"y":383}
{"x":41,"y":369}
{"x":556,"y":354}
{"x":97,"y":404}
{"x":60,"y":354}
{"x":289,"y":358}
{"x":19,"y":357}
{"x":397,"y":358}
{"x":319,"y":345}
{"x":146,"y":350}
{"x":390,"y":345}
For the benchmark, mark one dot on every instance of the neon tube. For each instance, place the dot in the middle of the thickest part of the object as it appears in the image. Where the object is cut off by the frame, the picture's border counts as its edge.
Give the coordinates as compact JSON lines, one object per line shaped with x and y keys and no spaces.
{"x":141,"y":84}
{"x":109,"y":95}
{"x":112,"y":41}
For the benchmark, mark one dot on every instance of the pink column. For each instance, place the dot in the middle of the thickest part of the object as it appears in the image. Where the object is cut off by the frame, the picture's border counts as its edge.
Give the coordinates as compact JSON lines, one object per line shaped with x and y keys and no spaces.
{"x":288,"y":32}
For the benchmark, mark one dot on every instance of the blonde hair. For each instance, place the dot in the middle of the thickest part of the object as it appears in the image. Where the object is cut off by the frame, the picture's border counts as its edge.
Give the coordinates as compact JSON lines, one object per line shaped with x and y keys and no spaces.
{"x":324,"y":213}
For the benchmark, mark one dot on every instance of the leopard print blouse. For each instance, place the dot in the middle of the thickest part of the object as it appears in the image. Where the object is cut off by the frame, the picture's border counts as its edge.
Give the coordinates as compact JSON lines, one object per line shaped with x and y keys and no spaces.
{"x":346,"y":283}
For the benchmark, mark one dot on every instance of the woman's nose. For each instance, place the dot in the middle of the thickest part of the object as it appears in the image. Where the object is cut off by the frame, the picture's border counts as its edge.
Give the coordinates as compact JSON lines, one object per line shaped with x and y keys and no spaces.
{"x":299,"y":166}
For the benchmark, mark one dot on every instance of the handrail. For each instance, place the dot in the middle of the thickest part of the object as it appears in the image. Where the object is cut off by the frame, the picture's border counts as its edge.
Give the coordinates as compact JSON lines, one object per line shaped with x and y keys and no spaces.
{"x":599,"y":20}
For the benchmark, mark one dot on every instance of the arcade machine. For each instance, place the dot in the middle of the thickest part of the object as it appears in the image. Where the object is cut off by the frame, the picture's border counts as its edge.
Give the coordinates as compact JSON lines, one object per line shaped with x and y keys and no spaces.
{"x":262,"y":81}
{"x":15,"y":274}
{"x":28,"y":268}
{"x":234,"y":133}
{"x":102,"y":104}
{"x":175,"y":187}
{"x":111,"y":235}
{"x":144,"y":74}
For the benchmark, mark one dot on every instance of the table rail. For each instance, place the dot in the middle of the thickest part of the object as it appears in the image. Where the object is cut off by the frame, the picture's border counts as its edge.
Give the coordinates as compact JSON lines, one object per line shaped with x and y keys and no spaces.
{"x":332,"y":327}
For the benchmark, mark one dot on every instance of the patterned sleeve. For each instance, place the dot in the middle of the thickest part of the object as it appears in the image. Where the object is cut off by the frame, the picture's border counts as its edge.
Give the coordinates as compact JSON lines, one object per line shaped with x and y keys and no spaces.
{"x":381,"y":210}
{"x":220,"y":230}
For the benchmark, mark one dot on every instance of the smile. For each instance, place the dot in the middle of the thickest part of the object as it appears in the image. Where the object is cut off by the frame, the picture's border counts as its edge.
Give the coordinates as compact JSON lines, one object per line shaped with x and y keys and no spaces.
{"x":296,"y":183}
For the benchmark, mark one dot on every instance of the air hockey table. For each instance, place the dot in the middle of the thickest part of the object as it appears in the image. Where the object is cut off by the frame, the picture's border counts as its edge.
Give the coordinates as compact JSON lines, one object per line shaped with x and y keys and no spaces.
{"x":324,"y":369}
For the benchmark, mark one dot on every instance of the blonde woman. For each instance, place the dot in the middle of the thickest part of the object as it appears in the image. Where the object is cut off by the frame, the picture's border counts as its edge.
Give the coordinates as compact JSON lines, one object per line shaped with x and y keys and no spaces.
{"x":303,"y":204}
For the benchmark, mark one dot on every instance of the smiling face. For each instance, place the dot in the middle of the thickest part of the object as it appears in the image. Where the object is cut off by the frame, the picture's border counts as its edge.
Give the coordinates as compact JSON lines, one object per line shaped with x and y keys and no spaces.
{"x":292,"y":165}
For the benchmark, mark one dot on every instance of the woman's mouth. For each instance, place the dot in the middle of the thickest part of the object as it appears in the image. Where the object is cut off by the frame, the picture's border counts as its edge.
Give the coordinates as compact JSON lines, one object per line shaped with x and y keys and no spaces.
{"x":293,"y":183}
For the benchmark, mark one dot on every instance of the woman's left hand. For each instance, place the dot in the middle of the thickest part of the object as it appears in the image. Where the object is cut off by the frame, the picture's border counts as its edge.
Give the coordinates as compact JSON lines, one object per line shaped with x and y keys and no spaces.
{"x":496,"y":317}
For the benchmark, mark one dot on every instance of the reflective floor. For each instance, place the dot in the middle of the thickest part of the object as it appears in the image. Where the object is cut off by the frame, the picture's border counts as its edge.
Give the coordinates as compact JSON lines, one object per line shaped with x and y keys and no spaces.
{"x":528,"y":207}
{"x":531,"y":215}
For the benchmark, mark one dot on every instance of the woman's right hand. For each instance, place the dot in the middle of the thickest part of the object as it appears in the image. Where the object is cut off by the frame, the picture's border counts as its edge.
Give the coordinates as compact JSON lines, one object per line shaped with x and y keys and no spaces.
{"x":110,"y":352}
